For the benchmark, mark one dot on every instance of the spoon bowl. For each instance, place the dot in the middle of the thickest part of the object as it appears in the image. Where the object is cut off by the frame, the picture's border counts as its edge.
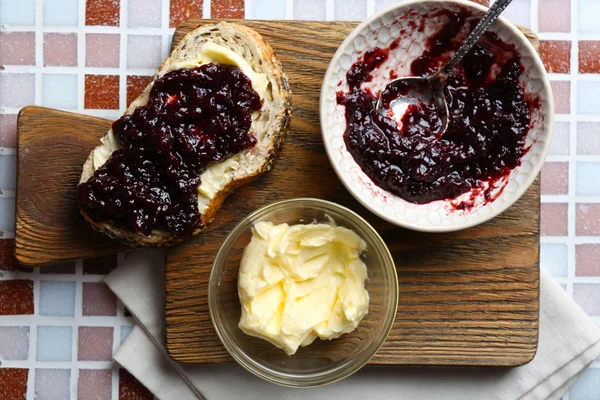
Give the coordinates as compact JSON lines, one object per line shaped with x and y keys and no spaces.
{"x":427,"y":93}
{"x":406,"y":94}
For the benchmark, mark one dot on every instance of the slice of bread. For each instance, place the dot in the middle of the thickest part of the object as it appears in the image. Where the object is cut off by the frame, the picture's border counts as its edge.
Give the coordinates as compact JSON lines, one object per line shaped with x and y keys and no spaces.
{"x":269,"y":124}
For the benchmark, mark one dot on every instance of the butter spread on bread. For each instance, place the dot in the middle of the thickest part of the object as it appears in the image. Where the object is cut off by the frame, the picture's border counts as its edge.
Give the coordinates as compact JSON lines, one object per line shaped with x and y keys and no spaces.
{"x":228,"y":44}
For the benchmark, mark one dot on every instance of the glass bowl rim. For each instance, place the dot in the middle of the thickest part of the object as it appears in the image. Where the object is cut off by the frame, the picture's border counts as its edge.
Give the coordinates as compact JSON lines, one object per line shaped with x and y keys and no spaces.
{"x":329,"y":376}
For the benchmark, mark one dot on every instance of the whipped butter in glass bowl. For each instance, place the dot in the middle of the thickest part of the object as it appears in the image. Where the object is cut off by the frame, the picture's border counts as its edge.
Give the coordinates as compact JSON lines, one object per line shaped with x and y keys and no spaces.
{"x":299,"y":282}
{"x":323,"y":361}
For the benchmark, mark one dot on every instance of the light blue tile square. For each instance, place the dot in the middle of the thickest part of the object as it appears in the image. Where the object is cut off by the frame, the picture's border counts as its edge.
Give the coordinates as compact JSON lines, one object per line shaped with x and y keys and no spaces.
{"x":59,"y":91}
{"x":54,"y":343}
{"x":589,"y":10}
{"x":587,"y":92}
{"x":57,"y":298}
{"x":8,"y":172}
{"x":587,"y":387}
{"x":7,"y":214}
{"x":588,"y":179}
{"x":125,"y":331}
{"x":268,"y":9}
{"x":553,"y":258}
{"x":17,"y":12}
{"x":61,"y":12}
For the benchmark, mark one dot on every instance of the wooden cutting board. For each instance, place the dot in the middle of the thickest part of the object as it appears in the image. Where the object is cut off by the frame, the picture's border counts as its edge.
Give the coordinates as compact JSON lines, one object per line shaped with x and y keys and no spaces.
{"x":466,"y":298}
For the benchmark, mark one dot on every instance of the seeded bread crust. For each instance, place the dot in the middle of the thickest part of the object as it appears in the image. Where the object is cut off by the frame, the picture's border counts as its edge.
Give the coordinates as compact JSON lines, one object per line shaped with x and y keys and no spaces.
{"x":269,"y":126}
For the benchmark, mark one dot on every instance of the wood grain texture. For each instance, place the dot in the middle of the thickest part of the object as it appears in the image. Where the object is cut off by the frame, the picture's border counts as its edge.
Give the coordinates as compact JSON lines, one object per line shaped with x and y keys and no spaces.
{"x":466,"y":298}
{"x":52,"y":147}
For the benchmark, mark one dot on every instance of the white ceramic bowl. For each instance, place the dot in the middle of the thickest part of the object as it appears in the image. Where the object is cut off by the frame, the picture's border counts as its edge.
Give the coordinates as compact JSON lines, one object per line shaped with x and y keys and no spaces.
{"x":381,"y":30}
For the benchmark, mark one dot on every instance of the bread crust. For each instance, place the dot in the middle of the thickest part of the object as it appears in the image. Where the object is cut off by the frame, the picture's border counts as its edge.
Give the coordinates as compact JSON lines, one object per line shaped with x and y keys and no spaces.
{"x":160,"y":238}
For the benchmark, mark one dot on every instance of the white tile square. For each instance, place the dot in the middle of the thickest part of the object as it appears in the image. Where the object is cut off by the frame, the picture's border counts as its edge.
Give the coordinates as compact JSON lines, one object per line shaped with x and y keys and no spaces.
{"x":519,"y":12}
{"x":54,"y":343}
{"x":8,"y":172}
{"x":589,"y":16}
{"x":59,"y":91}
{"x":53,"y":384}
{"x":309,"y":10}
{"x":17,"y":12}
{"x":350,"y":10}
{"x":17,"y":90}
{"x":144,"y":13}
{"x":384,"y":4}
{"x":560,"y":138}
{"x":554,"y":259}
{"x":144,"y":51}
{"x":7,"y":215}
{"x":14,"y":342}
{"x":588,"y":95}
{"x":61,"y":12}
{"x":57,"y":298}
{"x":588,"y":179}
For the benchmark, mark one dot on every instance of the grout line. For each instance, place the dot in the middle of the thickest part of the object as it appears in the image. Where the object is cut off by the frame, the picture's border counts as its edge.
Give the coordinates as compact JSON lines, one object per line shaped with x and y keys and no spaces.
{"x":206,"y":11}
{"x":571,"y":208}
{"x":248,"y":4}
{"x":123,"y":56}
{"x":534,"y":15}
{"x":73,"y":70}
{"x":57,"y":365}
{"x":164,"y":29}
{"x":370,"y":7}
{"x":81,"y":53}
{"x":39,"y":61}
{"x":329,"y":10}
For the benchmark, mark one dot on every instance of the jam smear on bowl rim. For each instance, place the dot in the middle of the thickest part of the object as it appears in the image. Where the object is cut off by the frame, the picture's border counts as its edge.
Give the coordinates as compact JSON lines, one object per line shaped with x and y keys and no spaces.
{"x":193,"y":117}
{"x":489,"y":119}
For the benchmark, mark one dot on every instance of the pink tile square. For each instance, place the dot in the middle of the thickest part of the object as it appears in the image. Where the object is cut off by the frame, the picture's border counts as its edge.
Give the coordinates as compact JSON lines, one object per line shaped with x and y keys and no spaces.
{"x":17,"y":48}
{"x":8,"y":130}
{"x":588,"y":138}
{"x":94,"y":384}
{"x":95,"y":343}
{"x":102,"y":50}
{"x":98,"y":299}
{"x":587,"y":221}
{"x":587,"y":260}
{"x":60,"y":49}
{"x":555,"y":16}
{"x":562,"y":96}
{"x":553,"y":219}
{"x":586,"y":295}
{"x":555,"y":178}
{"x":560,"y":138}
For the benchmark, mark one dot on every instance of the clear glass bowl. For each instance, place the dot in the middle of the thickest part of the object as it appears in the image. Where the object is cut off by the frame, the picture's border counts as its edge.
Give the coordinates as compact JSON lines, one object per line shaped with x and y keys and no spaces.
{"x":324,"y":361}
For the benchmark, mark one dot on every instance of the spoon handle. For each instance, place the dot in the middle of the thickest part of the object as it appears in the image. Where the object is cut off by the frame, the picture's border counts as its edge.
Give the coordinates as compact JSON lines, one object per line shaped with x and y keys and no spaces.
{"x":490,"y":16}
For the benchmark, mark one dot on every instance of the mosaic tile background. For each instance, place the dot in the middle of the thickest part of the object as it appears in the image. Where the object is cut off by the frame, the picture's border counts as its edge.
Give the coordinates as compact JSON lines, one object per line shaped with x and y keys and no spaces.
{"x":59,"y":326}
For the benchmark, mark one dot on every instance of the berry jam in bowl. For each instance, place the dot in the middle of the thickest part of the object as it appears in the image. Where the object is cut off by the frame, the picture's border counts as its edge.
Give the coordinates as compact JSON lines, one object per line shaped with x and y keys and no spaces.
{"x":402,"y":167}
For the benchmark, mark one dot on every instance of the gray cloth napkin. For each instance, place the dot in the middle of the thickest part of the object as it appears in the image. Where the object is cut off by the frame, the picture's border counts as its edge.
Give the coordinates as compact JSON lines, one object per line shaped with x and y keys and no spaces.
{"x":569,"y":341}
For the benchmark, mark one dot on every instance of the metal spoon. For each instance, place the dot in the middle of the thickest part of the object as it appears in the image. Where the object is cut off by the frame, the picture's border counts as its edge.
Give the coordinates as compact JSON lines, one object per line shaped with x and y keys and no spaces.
{"x":401,"y":93}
